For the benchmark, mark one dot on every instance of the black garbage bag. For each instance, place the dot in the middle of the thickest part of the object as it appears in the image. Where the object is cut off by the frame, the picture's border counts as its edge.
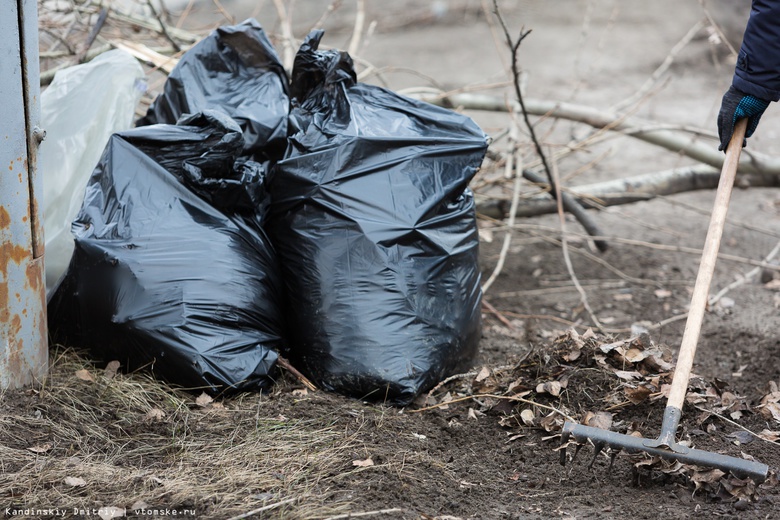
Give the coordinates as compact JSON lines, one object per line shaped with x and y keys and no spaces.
{"x":375,"y":227}
{"x":237,"y":71}
{"x":171,"y":268}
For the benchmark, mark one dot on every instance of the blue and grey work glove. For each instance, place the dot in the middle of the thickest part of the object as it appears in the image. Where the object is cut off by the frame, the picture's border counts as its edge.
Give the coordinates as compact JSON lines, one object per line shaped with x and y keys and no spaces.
{"x":737,"y":105}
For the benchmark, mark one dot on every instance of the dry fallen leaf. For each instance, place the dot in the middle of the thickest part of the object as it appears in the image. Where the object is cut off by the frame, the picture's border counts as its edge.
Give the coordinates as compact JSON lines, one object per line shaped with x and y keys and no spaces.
{"x":770,"y":410}
{"x":484,"y":373}
{"x":573,"y":355}
{"x":41,"y":448}
{"x":741,"y":437}
{"x":204,"y":400}
{"x":638,"y":394}
{"x":155,"y":414}
{"x":769,"y":435}
{"x":75,"y":481}
{"x":602,"y":420}
{"x":84,"y":375}
{"x":550,"y":387}
{"x":363,"y":463}
{"x":635,"y":355}
{"x":662,"y":293}
{"x":528,"y":417}
{"x":552,"y":422}
{"x":628,"y":375}
{"x":702,"y":478}
{"x":111,"y":369}
{"x":773,"y":285}
{"x":486,"y":235}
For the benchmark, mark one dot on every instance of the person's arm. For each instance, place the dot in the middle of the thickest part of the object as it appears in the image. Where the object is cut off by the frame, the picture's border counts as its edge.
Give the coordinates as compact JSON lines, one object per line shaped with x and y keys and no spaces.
{"x":756,"y":79}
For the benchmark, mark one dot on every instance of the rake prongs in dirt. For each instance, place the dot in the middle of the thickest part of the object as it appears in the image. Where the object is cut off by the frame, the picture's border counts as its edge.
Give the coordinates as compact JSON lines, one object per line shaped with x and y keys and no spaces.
{"x":665,"y":445}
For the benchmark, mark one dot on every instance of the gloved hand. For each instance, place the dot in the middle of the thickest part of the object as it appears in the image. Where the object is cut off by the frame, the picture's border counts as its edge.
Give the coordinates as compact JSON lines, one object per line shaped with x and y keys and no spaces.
{"x":736,"y":105}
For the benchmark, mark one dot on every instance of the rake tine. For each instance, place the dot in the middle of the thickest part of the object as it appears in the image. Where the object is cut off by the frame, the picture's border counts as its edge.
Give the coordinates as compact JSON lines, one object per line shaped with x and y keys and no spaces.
{"x":564,"y":442}
{"x":577,"y":449}
{"x":612,"y":455}
{"x":598,"y":447}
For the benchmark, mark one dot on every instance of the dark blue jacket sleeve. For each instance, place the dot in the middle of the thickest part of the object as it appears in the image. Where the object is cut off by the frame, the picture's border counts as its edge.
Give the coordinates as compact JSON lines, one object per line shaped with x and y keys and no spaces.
{"x":758,"y":64}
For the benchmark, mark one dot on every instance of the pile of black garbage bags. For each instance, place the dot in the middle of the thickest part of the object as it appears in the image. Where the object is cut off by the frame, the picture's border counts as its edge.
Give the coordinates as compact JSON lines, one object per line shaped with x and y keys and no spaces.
{"x":249,"y":215}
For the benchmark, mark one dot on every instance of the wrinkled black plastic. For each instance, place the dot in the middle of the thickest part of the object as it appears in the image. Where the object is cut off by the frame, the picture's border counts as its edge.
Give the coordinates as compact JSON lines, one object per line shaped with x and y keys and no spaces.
{"x":171,"y":268}
{"x":237,"y":71}
{"x":376,"y":232}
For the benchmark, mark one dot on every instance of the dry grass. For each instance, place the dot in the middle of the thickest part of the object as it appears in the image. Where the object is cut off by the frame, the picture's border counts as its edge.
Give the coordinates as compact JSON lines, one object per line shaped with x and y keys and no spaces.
{"x":136,"y":441}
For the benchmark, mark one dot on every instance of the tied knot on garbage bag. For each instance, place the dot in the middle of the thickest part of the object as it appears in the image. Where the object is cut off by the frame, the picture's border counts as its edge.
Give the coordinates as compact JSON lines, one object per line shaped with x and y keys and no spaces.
{"x":317,"y":73}
{"x":235,"y":70}
{"x":336,"y":228}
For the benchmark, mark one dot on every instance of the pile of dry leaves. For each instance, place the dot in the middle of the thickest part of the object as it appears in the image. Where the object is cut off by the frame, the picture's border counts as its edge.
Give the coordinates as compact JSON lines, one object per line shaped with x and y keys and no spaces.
{"x":591,"y":379}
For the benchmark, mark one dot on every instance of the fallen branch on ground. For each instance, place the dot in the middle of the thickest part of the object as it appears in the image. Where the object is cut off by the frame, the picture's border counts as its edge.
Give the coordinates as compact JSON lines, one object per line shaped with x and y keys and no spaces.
{"x":627,"y":190}
{"x":752,"y":162}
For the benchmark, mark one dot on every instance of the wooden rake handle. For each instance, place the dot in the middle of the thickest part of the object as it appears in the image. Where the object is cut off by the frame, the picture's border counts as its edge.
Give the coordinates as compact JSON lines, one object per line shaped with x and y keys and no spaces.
{"x":706,"y":268}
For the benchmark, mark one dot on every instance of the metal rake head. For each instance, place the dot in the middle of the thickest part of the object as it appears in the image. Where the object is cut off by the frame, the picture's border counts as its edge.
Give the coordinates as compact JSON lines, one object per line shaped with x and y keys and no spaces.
{"x":665,"y":446}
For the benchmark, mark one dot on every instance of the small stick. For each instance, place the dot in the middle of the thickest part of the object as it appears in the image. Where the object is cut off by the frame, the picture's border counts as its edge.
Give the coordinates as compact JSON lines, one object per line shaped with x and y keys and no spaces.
{"x":163,"y":29}
{"x":357,"y":32}
{"x":653,"y":79}
{"x":745,"y":278}
{"x":571,"y":205}
{"x":282,"y":362}
{"x":264,"y":508}
{"x":510,"y":171}
{"x":565,"y":247}
{"x":184,"y":14}
{"x":334,"y":4}
{"x":497,"y":314}
{"x":733,"y":423}
{"x":366,"y":513}
{"x":287,"y":35}
{"x":494,"y":396}
{"x":102,"y":16}
{"x":223,"y":11}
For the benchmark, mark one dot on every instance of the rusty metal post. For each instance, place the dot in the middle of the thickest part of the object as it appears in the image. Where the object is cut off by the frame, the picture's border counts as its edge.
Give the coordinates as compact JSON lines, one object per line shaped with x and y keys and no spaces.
{"x":23,"y":334}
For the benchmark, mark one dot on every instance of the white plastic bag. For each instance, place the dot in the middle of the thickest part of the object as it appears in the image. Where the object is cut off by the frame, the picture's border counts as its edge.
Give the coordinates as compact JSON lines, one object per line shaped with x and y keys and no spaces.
{"x":80,"y":110}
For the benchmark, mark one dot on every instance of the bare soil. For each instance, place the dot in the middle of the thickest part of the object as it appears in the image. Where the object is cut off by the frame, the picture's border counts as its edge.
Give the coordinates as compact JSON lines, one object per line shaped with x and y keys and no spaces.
{"x":475,"y":457}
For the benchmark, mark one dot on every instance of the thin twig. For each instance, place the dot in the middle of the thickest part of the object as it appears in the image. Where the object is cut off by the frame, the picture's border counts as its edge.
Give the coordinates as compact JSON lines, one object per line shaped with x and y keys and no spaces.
{"x":498,"y":314}
{"x":514,"y":47}
{"x":565,"y":247}
{"x":282,"y":362}
{"x":744,"y":278}
{"x":357,"y":32}
{"x":229,"y":17}
{"x":733,"y":423}
{"x":59,"y":40}
{"x":366,"y":513}
{"x":264,"y":508}
{"x":717,"y":28}
{"x":163,"y":28}
{"x":571,"y":205}
{"x":184,"y":14}
{"x":288,"y":40}
{"x":334,"y":4}
{"x":511,"y":170}
{"x":654,"y":77}
{"x":494,"y":396}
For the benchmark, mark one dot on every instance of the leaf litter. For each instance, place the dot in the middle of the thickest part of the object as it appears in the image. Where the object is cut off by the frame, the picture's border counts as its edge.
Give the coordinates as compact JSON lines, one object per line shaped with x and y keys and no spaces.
{"x":620,"y":374}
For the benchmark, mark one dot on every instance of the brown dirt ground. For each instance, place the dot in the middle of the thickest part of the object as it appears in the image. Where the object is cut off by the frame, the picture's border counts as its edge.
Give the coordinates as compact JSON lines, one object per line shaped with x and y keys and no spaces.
{"x":475,"y":458}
